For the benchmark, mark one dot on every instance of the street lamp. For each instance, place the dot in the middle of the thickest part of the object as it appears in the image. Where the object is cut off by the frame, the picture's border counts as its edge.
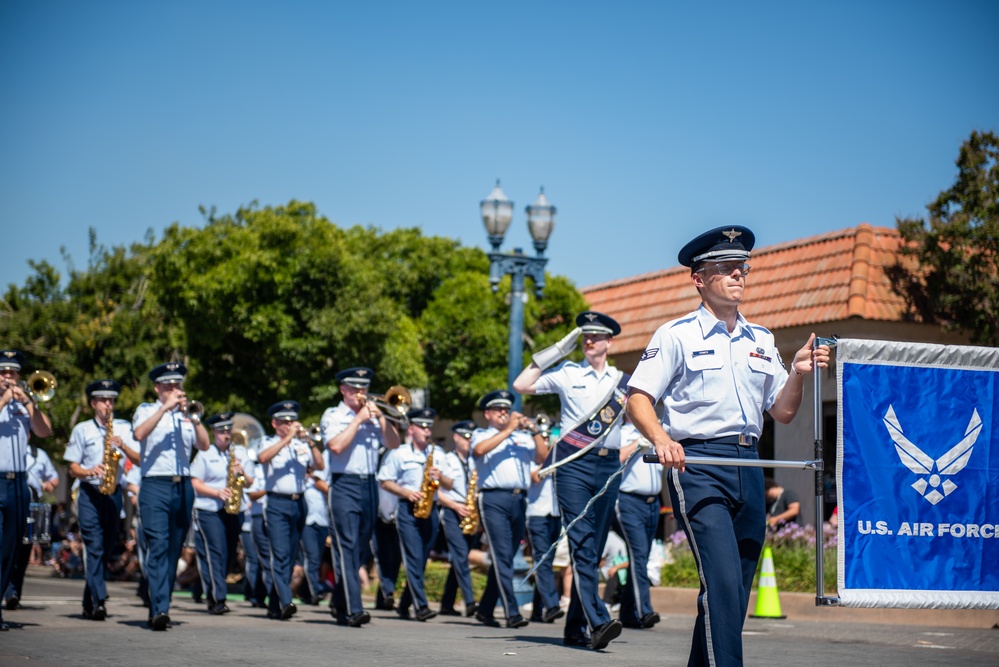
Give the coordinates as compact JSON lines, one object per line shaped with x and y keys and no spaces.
{"x":497,"y":213}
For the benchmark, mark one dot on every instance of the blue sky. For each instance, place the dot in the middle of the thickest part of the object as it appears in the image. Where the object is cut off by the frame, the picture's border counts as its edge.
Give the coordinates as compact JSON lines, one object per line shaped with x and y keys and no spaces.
{"x":646,"y":122}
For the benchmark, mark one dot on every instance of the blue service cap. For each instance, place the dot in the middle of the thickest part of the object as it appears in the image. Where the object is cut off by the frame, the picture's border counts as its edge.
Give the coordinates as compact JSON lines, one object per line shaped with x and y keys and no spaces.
{"x":220,"y":422}
{"x":465,"y":428}
{"x":284,"y":410}
{"x":11,"y":359}
{"x":103,"y":389}
{"x":172,"y":372}
{"x":422,"y":416}
{"x":359,"y":377}
{"x":718,"y":245}
{"x":496,"y":399}
{"x":591,"y":321}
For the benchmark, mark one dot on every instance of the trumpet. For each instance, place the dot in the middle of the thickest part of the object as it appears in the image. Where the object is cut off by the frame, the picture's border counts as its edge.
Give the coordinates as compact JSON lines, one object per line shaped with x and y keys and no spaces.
{"x":313,"y":433}
{"x":193,"y":410}
{"x":40,"y":386}
{"x":394,"y":403}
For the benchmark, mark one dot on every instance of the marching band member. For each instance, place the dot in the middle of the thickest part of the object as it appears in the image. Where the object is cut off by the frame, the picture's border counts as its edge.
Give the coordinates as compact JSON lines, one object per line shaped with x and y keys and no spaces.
{"x":18,"y":416}
{"x":636,"y":520}
{"x":503,"y":453}
{"x":388,"y":552}
{"x":166,"y":436}
{"x":353,"y":431}
{"x":403,"y":473}
{"x":459,"y":465}
{"x":286,"y":458}
{"x":216,"y":530}
{"x":99,"y":514}
{"x":583,"y":389}
{"x":315,"y":533}
{"x":42,"y":478}
{"x":716,"y":373}
{"x":543,"y":528}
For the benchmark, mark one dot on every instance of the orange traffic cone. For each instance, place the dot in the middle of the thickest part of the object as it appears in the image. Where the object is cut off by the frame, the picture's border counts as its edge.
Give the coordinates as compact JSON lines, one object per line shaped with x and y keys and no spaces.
{"x":767,"y":598}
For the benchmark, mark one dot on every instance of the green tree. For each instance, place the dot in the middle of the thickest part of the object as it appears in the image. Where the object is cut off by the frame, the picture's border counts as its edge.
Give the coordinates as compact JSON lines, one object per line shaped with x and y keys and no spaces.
{"x":949,"y":271}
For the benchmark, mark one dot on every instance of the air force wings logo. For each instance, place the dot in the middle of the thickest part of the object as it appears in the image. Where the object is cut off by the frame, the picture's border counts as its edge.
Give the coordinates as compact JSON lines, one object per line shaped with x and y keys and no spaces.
{"x":929,"y":484}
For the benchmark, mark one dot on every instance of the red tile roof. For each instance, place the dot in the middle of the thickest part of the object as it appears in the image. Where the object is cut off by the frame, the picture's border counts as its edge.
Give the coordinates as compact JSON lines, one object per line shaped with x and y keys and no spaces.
{"x":824,"y":278}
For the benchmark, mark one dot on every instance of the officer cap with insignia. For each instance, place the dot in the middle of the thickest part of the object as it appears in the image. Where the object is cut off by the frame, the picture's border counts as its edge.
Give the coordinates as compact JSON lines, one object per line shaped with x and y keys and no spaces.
{"x":465,"y":428}
{"x":359,"y":377}
{"x":719,"y":245}
{"x":284,"y":411}
{"x":11,"y":359}
{"x":103,"y":389}
{"x":422,"y":417}
{"x":220,"y":422}
{"x":496,"y":399}
{"x":172,"y":372}
{"x":594,"y":322}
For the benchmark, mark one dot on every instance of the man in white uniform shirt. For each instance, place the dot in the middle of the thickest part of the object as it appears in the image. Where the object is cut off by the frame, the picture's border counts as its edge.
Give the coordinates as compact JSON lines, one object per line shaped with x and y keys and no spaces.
{"x":99,"y":514}
{"x":459,"y":466}
{"x":353,"y":431}
{"x":166,"y":436}
{"x":286,"y":458}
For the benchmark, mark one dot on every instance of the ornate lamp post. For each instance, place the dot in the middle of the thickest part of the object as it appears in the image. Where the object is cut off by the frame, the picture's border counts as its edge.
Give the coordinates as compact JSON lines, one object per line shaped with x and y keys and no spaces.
{"x":497,"y":213}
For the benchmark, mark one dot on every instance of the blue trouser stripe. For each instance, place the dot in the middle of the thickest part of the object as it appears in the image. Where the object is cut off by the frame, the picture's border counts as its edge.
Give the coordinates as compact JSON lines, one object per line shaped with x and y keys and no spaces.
{"x":542,"y":531}
{"x":353,"y":501}
{"x":165,"y":507}
{"x":636,"y":520}
{"x":458,"y":545}
{"x":504,"y":521}
{"x":262,"y":545}
{"x":99,"y":518}
{"x":313,"y":541}
{"x":285,"y":521}
{"x":14,"y":501}
{"x":416,"y":537}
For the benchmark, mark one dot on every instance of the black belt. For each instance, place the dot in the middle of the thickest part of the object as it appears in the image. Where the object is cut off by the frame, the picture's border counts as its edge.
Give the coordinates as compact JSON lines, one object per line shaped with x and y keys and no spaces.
{"x":289,"y":496}
{"x":510,"y":491}
{"x":741,"y":440}
{"x":13,"y":475}
{"x":172,"y":478}
{"x":338,"y":475}
{"x":648,"y":498}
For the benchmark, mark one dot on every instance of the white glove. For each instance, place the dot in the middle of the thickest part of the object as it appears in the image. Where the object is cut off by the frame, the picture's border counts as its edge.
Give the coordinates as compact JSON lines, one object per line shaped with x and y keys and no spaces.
{"x":551,"y":355}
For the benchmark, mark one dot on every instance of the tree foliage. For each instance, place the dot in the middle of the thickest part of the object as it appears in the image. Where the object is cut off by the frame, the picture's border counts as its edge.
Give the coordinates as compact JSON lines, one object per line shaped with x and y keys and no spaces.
{"x":952,"y":272}
{"x":269,"y":303}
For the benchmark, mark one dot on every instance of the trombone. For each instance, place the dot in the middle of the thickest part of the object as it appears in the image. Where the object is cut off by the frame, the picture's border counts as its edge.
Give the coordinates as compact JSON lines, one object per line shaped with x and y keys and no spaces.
{"x":394,"y":404}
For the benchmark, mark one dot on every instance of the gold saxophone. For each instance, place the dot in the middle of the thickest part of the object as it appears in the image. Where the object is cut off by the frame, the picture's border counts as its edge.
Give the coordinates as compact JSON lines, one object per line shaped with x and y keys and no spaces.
{"x":109,"y":482}
{"x":235,"y":483}
{"x":470,"y":523}
{"x":421,"y":510}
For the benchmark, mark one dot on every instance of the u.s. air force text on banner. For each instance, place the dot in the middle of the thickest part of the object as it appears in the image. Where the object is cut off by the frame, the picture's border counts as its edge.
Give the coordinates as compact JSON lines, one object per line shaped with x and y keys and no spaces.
{"x":918,"y":475}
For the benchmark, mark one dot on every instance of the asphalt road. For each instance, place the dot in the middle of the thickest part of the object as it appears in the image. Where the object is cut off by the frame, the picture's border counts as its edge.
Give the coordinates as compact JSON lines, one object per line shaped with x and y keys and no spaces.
{"x":50,"y":630}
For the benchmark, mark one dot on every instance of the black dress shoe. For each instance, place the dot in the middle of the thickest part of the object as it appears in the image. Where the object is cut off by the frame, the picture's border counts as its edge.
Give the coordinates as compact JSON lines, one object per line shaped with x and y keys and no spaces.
{"x":159,"y":622}
{"x":219,"y":609}
{"x":471,"y":609}
{"x":451,"y":611}
{"x":553,"y":615}
{"x":14,"y":602}
{"x":4,"y":627}
{"x":576,"y":640}
{"x":486,"y":620}
{"x":358,"y":618}
{"x":425,"y":614}
{"x":517,"y":621}
{"x":403,"y":613}
{"x":604,"y":634}
{"x":650,"y":619}
{"x":386,"y":603}
{"x":99,"y":613}
{"x":273,"y":614}
{"x":288,"y":611}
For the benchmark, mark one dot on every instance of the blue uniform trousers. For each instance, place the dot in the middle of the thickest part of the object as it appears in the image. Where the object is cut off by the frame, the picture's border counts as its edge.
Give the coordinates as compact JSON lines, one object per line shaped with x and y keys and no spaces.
{"x":14,"y":501}
{"x":389,"y":557}
{"x":503,"y":517}
{"x":416,"y":537}
{"x":215,"y":542}
{"x":722,"y":511}
{"x":251,"y":565}
{"x":313,"y":542}
{"x":285,"y":517}
{"x":576,"y":483}
{"x":165,"y":507}
{"x":99,"y":519}
{"x":636,"y":520}
{"x":264,"y":583}
{"x":353,"y":503}
{"x":542,"y":532}
{"x":458,"y":545}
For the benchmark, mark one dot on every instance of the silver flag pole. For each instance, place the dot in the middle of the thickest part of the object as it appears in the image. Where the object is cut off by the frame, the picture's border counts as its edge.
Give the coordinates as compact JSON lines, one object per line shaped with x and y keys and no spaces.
{"x":743,"y":463}
{"x":820,"y":574}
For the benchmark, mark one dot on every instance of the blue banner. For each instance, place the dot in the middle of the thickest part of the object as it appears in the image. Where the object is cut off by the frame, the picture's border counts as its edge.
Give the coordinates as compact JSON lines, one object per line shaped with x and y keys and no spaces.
{"x":918,"y":472}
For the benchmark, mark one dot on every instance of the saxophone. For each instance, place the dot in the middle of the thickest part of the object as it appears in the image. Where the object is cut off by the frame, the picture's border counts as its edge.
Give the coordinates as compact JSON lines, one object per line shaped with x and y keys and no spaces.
{"x":109,"y":482}
{"x":235,"y":483}
{"x":470,"y":524}
{"x":421,"y":510}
